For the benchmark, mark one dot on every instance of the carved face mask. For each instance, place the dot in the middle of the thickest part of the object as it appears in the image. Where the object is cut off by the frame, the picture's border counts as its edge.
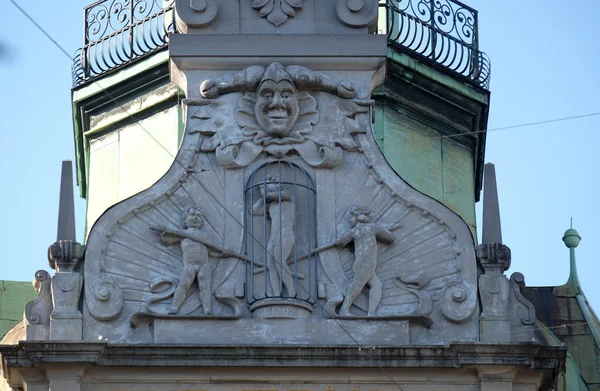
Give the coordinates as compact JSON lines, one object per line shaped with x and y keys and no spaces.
{"x":277,"y":107}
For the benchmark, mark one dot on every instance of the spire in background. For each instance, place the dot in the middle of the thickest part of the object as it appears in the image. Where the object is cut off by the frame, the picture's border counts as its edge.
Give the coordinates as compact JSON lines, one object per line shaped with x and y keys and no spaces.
{"x":492,"y":229}
{"x":66,"y":206}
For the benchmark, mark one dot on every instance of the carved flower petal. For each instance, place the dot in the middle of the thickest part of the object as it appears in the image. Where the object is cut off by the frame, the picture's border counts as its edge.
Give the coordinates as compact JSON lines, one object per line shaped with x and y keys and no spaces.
{"x":267,"y":9}
{"x":294,"y":3}
{"x":277,"y":17}
{"x":286,"y":8}
{"x":259,"y":3}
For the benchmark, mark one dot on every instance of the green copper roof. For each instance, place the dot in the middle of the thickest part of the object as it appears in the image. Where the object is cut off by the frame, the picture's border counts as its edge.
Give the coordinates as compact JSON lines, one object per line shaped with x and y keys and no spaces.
{"x":572,"y":379}
{"x":13,"y":297}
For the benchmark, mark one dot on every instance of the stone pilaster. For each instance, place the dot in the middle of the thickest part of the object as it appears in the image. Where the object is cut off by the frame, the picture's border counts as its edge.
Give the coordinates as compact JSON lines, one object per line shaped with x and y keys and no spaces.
{"x":66,"y":319}
{"x":494,"y":289}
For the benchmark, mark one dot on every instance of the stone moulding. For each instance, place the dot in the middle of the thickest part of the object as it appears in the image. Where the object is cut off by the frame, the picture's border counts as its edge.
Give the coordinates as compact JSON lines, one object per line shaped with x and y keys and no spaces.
{"x":28,"y":354}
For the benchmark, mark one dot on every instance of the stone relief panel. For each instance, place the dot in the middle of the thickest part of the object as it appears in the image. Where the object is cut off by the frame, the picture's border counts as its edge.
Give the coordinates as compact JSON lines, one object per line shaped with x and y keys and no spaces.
{"x":280,"y":205}
{"x":276,"y":115}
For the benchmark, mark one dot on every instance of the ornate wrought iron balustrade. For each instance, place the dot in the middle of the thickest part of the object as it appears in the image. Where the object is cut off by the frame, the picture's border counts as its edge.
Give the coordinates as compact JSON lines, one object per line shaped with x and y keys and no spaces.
{"x":442,"y":31}
{"x":118,"y":32}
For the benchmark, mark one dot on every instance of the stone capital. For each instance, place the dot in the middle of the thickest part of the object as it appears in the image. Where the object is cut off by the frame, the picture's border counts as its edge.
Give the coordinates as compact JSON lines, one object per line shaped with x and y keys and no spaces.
{"x":64,"y":255}
{"x":494,"y":257}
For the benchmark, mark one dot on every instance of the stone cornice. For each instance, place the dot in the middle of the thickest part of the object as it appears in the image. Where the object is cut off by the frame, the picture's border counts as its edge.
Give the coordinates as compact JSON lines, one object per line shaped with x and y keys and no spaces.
{"x":29,"y":354}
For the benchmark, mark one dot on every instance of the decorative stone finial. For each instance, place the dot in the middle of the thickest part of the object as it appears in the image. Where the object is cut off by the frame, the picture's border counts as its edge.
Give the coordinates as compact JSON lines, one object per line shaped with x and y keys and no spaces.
{"x":64,"y":255}
{"x":492,"y":229}
{"x":66,"y":207}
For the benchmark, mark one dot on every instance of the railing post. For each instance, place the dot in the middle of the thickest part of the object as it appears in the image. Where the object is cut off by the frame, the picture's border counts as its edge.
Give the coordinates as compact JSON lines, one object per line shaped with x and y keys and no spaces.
{"x":476,"y":67}
{"x":84,"y":51}
{"x":433,"y":30}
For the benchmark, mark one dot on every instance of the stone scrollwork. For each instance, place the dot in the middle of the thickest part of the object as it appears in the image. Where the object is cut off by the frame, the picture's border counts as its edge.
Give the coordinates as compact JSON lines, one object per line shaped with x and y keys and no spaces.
{"x":519,"y":303}
{"x":277,"y":11}
{"x":276,"y":115}
{"x":196,"y":13}
{"x":415,"y":284}
{"x":522,"y":311}
{"x":37,"y":312}
{"x":457,"y":302}
{"x":105,"y":300}
{"x":357,"y":13}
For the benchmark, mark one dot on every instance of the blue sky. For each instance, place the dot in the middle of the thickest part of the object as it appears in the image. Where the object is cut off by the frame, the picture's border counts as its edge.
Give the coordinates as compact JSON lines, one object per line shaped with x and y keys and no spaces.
{"x":544,"y":66}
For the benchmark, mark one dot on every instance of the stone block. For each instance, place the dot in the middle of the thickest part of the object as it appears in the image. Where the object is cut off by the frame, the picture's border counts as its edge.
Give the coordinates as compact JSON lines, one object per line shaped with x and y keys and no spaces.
{"x":282,"y":331}
{"x":66,"y":329}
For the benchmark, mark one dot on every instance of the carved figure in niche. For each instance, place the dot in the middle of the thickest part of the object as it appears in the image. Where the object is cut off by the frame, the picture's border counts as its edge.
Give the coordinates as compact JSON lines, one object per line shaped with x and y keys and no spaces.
{"x":196,"y":266}
{"x":365,"y":235}
{"x":281,"y":213}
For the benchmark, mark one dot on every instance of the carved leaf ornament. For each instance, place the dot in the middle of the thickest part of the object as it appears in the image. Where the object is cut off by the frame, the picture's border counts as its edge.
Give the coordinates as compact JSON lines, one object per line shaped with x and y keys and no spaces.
{"x":277,"y":11}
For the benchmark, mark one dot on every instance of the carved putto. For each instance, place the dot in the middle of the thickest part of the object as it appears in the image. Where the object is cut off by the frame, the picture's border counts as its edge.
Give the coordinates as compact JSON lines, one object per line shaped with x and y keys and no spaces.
{"x":364,"y":235}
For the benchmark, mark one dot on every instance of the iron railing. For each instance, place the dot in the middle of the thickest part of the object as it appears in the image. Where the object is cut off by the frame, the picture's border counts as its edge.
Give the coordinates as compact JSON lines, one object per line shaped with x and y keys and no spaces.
{"x":117,"y":32}
{"x":441,"y":31}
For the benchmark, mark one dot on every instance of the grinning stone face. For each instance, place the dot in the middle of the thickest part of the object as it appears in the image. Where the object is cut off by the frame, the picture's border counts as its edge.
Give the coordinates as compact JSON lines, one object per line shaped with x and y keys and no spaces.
{"x":277,"y":107}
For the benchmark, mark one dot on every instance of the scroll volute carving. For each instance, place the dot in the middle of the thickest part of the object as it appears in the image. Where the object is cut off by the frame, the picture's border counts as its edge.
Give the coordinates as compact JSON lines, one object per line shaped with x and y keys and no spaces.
{"x":38,"y":310}
{"x":195,"y":13}
{"x":358,"y":13}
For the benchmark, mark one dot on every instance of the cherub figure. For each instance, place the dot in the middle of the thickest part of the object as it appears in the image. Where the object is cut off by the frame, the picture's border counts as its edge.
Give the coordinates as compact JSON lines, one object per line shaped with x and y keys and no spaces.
{"x":195,"y":249}
{"x":280,"y":204}
{"x":365,"y":235}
